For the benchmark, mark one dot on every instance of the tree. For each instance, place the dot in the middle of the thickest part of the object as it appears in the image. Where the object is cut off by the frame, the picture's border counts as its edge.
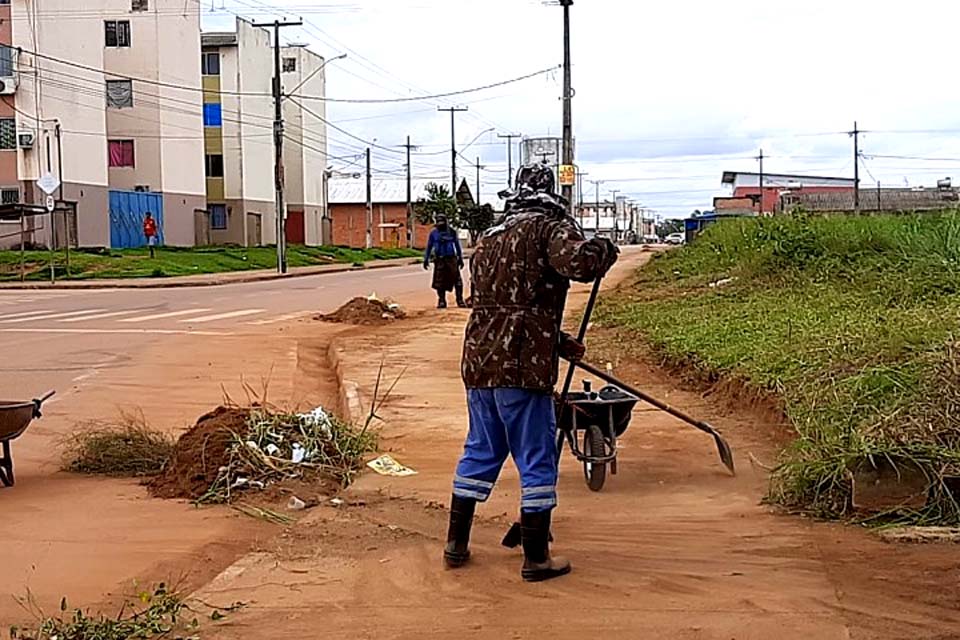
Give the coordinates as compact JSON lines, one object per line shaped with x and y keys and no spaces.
{"x":438,"y":202}
{"x":476,"y":220}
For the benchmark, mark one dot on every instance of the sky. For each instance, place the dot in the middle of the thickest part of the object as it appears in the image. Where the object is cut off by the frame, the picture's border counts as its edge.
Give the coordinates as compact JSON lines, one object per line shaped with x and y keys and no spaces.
{"x":668,"y":94}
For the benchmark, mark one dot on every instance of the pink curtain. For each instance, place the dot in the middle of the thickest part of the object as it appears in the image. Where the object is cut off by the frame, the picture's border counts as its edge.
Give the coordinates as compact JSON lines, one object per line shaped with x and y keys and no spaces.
{"x":121,"y":153}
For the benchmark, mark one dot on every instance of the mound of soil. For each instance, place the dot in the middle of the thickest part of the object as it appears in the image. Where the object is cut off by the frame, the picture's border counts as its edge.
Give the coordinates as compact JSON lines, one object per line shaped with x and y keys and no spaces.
{"x":199,"y":454}
{"x":365,"y":311}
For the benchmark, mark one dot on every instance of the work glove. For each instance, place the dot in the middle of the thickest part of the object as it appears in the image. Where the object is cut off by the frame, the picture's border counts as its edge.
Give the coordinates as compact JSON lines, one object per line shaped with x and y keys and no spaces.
{"x":460,"y":263}
{"x":608,"y":251}
{"x":426,"y":265}
{"x":571,"y":349}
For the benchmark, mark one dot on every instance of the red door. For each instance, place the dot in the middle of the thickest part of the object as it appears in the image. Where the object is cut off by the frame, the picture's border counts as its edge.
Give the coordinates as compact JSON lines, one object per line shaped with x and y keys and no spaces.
{"x":296,"y":234}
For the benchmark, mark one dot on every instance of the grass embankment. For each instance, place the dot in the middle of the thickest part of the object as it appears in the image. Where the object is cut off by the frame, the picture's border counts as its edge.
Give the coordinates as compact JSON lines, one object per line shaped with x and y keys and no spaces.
{"x":170,"y":261}
{"x":852,"y":321}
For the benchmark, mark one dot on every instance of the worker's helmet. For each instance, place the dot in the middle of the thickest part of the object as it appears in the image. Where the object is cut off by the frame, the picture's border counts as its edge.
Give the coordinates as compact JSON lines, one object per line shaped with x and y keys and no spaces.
{"x":537,"y":178}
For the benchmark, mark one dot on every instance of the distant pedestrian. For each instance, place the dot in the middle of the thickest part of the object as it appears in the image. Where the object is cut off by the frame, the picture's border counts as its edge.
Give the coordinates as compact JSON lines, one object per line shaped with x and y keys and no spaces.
{"x":150,"y":232}
{"x":444,"y":247}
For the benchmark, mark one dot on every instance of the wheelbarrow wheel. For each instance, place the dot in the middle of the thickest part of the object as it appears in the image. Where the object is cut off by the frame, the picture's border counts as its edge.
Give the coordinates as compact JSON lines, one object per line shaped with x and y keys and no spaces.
{"x":594,"y":445}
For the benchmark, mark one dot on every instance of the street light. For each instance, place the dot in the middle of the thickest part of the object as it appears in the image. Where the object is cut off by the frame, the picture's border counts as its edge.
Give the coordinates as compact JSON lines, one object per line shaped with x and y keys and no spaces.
{"x":315,"y":72}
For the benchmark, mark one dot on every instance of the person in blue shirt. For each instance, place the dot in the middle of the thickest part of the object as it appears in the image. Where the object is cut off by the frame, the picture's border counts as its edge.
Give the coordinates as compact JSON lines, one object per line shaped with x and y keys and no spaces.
{"x":444,"y":248}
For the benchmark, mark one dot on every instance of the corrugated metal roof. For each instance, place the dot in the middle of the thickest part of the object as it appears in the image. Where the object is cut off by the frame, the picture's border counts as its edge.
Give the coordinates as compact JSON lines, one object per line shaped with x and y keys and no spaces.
{"x":354,"y":191}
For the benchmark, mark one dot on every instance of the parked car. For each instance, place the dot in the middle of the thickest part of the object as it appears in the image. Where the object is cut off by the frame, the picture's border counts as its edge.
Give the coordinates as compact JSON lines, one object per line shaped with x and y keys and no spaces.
{"x":675,"y":238}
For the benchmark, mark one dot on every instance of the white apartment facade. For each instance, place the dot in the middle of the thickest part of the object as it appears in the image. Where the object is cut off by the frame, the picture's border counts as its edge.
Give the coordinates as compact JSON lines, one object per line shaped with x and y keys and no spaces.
{"x":305,"y":150}
{"x":121,"y":81}
{"x":237,"y":71}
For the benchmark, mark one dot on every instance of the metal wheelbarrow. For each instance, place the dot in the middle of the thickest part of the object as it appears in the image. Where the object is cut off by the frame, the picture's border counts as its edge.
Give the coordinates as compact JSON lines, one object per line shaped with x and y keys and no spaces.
{"x":15,"y":417}
{"x":601,"y":417}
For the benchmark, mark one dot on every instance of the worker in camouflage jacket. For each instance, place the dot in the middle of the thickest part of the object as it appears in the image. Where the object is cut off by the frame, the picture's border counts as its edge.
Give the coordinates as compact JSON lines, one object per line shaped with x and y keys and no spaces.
{"x":521,"y":271}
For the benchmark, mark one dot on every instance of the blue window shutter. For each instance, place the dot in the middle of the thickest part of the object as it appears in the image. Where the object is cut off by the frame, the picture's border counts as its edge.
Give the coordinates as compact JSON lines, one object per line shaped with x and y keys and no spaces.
{"x":212,"y":115}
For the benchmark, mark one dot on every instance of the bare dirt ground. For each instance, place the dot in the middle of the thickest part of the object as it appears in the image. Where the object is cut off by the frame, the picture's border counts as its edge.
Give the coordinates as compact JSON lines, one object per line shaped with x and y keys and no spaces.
{"x":672,"y":548}
{"x":94,"y":540}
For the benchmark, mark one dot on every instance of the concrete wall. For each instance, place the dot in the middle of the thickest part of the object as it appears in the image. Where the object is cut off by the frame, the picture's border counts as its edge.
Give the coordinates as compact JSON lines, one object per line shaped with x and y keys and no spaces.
{"x":874,"y":200}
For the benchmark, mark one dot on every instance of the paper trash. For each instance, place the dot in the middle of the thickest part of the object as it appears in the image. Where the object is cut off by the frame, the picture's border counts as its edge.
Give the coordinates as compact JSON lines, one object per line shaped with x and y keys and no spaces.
{"x":387,"y":466}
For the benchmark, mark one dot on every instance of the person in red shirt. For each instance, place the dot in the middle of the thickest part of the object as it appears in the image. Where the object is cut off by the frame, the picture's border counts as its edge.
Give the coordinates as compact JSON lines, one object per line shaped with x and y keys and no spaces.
{"x":150,"y":232}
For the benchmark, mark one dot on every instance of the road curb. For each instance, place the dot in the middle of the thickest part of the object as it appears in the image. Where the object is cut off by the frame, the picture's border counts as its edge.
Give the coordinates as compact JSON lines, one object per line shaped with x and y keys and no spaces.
{"x":182,"y":281}
{"x":350,"y":405}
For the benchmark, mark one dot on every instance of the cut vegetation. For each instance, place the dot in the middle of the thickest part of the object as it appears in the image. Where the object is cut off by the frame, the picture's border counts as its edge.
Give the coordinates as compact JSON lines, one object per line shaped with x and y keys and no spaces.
{"x":171,"y":261}
{"x":230,"y":453}
{"x":852,"y":323}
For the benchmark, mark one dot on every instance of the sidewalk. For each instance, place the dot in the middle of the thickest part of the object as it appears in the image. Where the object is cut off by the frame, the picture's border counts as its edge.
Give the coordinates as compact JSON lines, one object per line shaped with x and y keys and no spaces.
{"x":209,"y":280}
{"x":672,"y":548}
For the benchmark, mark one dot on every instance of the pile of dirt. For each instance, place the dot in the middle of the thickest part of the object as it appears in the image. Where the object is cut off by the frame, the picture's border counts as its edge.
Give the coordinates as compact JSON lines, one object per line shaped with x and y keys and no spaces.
{"x":199,"y":454}
{"x":365,"y":311}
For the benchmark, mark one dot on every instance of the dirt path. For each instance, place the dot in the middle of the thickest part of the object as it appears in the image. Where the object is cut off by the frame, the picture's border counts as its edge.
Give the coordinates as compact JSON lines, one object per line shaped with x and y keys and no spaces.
{"x":672,"y":548}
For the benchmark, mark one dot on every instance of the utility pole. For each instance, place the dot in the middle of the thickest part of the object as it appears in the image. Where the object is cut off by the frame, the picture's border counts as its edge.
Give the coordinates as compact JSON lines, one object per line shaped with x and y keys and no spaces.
{"x":479,"y":166}
{"x":369,"y":202}
{"x":278,"y":141}
{"x":616,"y":214}
{"x":453,"y":146}
{"x":509,"y":138}
{"x":597,"y":183}
{"x":760,"y":158}
{"x":567,"y":190}
{"x":856,"y":167}
{"x":580,"y":175}
{"x":410,"y":230}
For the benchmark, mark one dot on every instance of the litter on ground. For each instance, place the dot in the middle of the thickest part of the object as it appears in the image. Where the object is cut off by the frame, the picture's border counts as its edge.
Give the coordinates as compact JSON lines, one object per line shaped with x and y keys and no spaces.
{"x":387,"y":466}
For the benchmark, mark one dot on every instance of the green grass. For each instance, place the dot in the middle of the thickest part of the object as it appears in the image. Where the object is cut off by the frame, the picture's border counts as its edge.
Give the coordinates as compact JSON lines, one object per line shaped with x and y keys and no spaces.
{"x":852,"y":321}
{"x":169,"y":261}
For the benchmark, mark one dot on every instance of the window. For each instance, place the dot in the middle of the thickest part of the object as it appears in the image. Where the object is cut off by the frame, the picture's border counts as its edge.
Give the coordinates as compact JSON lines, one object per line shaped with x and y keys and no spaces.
{"x":289,"y":65}
{"x":6,"y":61}
{"x":4,"y":1}
{"x":218,"y":216}
{"x":121,"y":153}
{"x":212,"y":115}
{"x":117,"y":33}
{"x":9,"y":195}
{"x":8,"y":134}
{"x":119,"y":94}
{"x":215,"y":166}
{"x":210,"y":63}
{"x":138,"y":5}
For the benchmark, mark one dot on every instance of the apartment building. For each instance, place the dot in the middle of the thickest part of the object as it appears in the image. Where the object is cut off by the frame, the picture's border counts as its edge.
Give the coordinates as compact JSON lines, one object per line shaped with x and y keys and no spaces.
{"x":120,"y":81}
{"x":305,"y":151}
{"x":238,"y":113}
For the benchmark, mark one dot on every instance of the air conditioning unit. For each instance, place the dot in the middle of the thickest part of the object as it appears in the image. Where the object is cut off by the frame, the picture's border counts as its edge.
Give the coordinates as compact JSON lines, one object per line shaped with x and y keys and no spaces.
{"x":142,"y":188}
{"x":8,"y":86}
{"x":25,"y":140}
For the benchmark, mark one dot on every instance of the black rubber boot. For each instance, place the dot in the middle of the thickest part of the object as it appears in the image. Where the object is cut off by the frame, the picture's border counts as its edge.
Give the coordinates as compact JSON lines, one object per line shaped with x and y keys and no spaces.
{"x":537,"y":563}
{"x":441,"y":300}
{"x":460,"y":301}
{"x":457,"y":552}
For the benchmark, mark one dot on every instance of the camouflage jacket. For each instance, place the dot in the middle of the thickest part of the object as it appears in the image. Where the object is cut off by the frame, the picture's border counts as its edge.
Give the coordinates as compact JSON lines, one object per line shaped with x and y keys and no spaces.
{"x":521,"y":271}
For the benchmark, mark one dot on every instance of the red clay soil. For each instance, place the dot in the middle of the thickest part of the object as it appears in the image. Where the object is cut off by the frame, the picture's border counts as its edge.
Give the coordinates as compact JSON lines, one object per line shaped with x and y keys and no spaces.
{"x":199,"y":454}
{"x":365,"y":311}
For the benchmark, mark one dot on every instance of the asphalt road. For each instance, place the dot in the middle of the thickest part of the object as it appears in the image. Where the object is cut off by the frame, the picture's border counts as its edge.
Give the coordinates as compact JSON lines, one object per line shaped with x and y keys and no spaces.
{"x":59,"y":338}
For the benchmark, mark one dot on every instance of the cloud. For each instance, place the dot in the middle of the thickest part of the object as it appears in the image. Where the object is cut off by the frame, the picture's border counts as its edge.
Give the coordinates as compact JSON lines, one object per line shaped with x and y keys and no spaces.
{"x":680,"y":90}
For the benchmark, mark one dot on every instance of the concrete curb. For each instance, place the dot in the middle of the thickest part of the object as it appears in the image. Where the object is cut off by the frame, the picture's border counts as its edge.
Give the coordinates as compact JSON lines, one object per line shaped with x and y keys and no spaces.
{"x":233,"y":277}
{"x":349,"y":400}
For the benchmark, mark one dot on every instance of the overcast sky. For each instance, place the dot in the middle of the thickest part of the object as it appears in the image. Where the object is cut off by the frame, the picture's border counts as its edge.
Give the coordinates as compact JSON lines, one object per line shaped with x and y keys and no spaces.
{"x":668,"y":94}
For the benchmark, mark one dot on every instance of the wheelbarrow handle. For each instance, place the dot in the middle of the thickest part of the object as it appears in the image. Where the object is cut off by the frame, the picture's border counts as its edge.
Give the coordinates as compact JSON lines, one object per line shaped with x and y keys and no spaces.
{"x":581,"y":335}
{"x":726,"y":454}
{"x":38,"y":403}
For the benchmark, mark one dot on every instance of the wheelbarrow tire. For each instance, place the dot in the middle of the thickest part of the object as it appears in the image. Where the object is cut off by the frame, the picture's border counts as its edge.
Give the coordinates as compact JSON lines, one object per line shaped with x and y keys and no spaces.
{"x":594,"y":444}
